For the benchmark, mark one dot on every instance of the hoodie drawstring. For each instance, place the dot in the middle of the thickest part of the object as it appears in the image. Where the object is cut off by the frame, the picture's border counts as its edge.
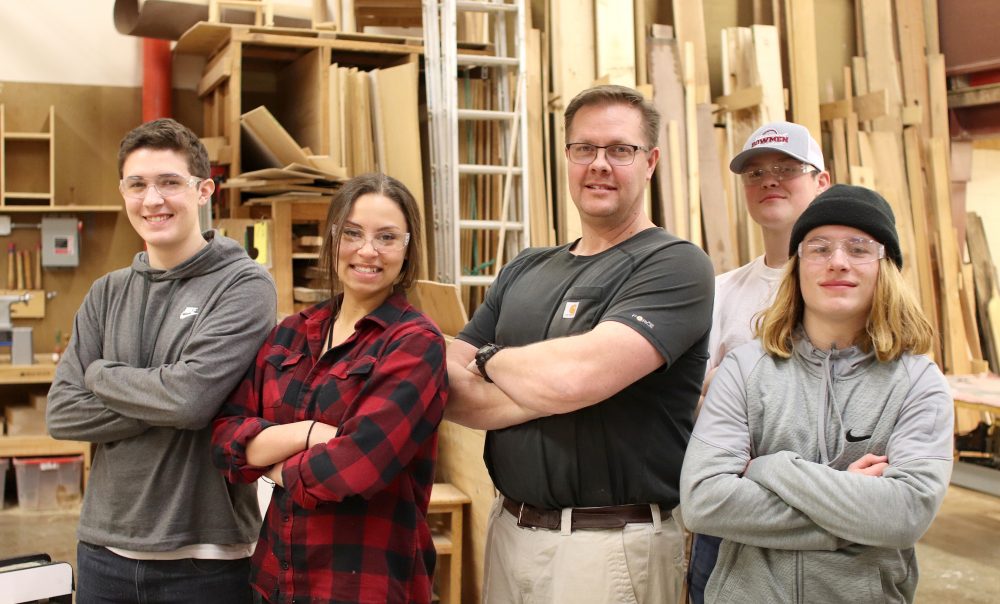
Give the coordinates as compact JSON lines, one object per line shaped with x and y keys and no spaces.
{"x":827,"y":402}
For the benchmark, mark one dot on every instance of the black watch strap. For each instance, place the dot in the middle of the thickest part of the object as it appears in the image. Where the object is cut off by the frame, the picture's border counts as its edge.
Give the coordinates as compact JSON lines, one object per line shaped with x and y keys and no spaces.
{"x":485,"y":354}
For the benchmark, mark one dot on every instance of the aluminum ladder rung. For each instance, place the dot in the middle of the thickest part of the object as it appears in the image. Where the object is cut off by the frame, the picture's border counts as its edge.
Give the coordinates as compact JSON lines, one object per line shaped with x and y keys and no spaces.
{"x":489,"y":60}
{"x":481,"y":169}
{"x":493,"y":225}
{"x":485,"y":114}
{"x":486,"y":7}
{"x":476,"y":279}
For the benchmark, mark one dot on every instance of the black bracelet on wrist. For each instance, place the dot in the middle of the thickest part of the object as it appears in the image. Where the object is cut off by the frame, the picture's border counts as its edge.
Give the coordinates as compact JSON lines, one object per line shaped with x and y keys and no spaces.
{"x":309,"y":433}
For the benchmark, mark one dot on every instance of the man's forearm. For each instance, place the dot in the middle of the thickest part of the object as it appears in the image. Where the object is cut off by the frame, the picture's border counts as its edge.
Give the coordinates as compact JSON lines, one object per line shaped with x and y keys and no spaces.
{"x":475,"y":403}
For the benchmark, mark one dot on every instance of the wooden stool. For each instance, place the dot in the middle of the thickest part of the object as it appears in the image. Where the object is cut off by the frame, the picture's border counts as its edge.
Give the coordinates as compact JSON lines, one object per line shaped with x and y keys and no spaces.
{"x":447,"y":506}
{"x":263,"y":10}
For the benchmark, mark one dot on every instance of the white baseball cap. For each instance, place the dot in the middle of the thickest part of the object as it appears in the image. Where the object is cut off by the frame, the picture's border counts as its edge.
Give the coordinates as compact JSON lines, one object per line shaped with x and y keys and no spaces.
{"x":784,"y":137}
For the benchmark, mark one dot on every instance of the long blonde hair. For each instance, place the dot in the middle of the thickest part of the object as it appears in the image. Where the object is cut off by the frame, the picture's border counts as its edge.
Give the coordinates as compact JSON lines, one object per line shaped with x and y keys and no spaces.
{"x":895,"y":323}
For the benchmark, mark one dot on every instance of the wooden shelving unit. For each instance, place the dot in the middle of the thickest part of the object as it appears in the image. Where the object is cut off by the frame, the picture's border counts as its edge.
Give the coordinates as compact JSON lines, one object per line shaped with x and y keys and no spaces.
{"x":27,"y":164}
{"x":285,"y":70}
{"x":36,"y":445}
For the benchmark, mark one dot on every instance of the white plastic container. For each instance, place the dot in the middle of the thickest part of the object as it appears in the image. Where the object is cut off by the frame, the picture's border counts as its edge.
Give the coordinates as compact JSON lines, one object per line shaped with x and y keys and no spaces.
{"x":47,"y":483}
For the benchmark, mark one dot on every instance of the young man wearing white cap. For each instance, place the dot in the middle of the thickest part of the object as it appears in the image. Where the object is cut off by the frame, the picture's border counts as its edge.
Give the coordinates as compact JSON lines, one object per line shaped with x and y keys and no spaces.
{"x":782,"y":170}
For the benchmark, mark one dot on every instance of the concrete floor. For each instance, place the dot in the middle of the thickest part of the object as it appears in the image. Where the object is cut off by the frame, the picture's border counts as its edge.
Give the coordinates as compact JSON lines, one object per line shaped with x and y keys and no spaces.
{"x":959,"y":556}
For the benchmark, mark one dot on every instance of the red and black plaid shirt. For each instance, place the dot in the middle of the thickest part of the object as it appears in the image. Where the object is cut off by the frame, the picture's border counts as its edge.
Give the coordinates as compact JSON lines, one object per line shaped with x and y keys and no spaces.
{"x":350,"y":523}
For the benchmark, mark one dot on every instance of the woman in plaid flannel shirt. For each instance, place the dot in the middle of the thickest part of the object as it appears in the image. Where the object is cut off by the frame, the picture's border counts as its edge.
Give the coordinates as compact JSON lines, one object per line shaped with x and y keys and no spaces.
{"x":340,"y":410}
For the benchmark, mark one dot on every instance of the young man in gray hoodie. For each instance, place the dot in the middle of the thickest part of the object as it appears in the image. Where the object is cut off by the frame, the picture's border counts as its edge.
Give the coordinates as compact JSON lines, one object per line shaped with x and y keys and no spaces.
{"x":156,"y":348}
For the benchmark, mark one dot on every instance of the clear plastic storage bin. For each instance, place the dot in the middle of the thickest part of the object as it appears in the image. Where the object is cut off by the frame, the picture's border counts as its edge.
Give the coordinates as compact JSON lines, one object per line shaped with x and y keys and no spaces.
{"x":45,"y":483}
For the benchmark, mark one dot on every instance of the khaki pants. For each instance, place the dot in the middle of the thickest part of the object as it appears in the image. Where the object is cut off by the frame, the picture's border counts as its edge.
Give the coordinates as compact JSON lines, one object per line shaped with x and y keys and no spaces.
{"x":637,"y":564}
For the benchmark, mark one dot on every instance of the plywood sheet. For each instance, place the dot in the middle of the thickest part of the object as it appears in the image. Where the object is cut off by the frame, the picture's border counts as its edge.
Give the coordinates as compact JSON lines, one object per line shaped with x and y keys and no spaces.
{"x":397,"y":108}
{"x":262,"y":126}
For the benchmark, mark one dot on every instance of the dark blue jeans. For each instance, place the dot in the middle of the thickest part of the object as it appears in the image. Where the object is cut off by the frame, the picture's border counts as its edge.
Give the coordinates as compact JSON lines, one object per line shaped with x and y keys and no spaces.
{"x":105,"y":577}
{"x":704,"y":552}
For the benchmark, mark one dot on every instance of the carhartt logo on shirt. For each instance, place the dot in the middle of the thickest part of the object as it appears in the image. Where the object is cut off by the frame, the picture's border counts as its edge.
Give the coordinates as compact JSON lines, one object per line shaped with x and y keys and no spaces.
{"x":570,"y":311}
{"x":190,"y":311}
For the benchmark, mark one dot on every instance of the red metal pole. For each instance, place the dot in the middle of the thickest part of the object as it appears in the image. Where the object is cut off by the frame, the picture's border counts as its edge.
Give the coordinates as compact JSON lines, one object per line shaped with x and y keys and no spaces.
{"x":156,"y":88}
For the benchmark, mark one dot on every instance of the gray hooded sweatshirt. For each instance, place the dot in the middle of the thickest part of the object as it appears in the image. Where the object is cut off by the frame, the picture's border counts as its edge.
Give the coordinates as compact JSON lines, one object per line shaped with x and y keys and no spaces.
{"x":797,"y":527}
{"x":154,"y":354}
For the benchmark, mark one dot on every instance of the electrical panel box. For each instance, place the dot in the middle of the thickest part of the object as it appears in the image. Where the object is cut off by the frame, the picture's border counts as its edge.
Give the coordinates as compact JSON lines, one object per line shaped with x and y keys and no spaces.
{"x":60,"y":242}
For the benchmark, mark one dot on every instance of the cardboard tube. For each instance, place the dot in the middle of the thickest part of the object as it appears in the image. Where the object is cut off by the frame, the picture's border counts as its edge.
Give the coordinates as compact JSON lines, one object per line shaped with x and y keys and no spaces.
{"x":168,"y":19}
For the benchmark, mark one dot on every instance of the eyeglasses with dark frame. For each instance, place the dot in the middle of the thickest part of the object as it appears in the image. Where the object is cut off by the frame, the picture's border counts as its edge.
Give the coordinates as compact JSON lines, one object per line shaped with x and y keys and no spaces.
{"x":353,"y":238}
{"x":780,"y":172}
{"x":858,"y":250}
{"x":165,"y":185}
{"x":619,"y":154}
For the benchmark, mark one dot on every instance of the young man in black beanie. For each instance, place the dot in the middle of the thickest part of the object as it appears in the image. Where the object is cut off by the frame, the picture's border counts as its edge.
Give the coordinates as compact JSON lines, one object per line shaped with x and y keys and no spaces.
{"x":782,"y":170}
{"x":824,"y":446}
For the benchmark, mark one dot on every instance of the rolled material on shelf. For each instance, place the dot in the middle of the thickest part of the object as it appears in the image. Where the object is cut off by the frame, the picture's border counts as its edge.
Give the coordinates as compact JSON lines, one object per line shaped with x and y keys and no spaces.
{"x":169,"y":19}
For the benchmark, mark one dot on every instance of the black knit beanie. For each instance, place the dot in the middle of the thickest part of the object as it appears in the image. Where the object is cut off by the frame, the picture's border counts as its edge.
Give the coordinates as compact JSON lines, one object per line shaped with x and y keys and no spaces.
{"x":857,"y":207}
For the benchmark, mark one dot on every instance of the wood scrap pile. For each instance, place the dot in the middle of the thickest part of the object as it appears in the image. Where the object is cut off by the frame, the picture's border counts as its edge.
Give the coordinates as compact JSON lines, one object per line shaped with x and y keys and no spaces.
{"x":886,"y":127}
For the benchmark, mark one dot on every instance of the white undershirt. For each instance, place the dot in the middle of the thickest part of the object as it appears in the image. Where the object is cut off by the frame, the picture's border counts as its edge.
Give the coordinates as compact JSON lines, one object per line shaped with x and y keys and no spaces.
{"x":201,"y":551}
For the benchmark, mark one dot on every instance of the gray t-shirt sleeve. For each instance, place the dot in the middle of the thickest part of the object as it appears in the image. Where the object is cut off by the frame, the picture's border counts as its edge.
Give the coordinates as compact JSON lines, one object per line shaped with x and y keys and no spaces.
{"x":668,"y":299}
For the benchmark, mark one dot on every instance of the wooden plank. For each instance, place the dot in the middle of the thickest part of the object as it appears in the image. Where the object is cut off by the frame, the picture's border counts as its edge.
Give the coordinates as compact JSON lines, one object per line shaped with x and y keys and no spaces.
{"x":744,"y":98}
{"x":668,"y":98}
{"x":767,"y":60}
{"x":573,"y":70}
{"x":938,"y":88}
{"x":838,"y":138}
{"x":281,"y":256}
{"x":217,"y":71}
{"x":272,"y":136}
{"x":542,"y":233}
{"x":956,"y":350}
{"x":913,"y":59}
{"x":614,"y":24}
{"x":801,"y":36}
{"x":853,"y":155}
{"x":397,"y":105}
{"x":639,"y":30}
{"x":721,"y":248}
{"x":985,"y":285}
{"x":931,"y":35}
{"x":679,"y":205}
{"x":732,"y":212}
{"x":691,"y":126}
{"x":968,"y":299}
{"x":921,"y":236}
{"x":304,"y":106}
{"x":361,"y":115}
{"x":872,"y":105}
{"x":336,"y":112}
{"x":442,"y":302}
{"x":880,"y":57}
{"x":738,"y":71}
{"x":890,"y":178}
{"x":689,"y":26}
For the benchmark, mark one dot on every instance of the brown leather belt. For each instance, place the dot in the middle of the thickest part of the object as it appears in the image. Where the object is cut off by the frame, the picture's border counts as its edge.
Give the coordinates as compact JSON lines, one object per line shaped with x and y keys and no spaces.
{"x":612,"y":516}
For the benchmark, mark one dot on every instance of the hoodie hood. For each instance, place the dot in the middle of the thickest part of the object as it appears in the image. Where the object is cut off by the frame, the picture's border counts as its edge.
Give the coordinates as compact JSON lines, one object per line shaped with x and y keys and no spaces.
{"x":219,"y":253}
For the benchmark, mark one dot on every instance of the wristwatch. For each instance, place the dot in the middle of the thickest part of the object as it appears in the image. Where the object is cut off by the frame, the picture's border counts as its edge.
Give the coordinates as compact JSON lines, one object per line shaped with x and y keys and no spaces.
{"x":484,"y":354}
